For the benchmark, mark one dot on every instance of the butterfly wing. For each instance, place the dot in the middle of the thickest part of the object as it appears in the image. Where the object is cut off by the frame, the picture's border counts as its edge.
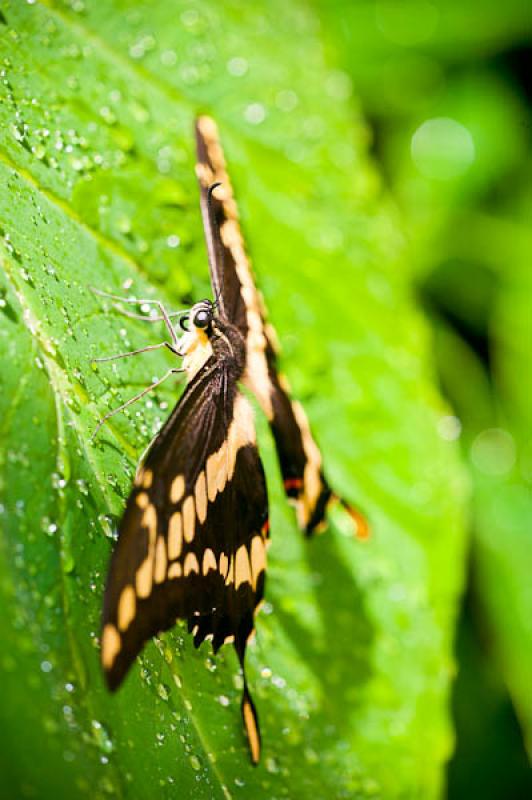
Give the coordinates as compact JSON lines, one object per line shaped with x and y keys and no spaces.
{"x":192,"y":542}
{"x":232,"y":280}
{"x":220,"y":223}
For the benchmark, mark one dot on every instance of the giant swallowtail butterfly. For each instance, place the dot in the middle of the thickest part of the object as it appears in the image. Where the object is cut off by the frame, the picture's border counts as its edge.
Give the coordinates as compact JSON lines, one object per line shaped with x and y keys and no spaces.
{"x":192,"y":542}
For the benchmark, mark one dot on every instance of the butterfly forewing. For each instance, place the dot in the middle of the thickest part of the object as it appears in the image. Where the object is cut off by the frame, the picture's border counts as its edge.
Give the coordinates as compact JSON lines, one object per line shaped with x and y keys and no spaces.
{"x":232,"y":278}
{"x":192,"y":540}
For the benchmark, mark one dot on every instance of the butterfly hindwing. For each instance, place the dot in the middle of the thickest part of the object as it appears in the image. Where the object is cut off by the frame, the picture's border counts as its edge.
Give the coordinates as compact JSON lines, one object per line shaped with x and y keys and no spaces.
{"x":192,"y":542}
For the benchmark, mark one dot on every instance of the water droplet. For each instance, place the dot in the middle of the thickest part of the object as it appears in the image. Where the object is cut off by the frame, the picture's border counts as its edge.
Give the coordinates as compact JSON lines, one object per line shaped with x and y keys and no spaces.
{"x":255,"y":113}
{"x":39,"y":151}
{"x":195,"y":763}
{"x":124,"y":224}
{"x":449,"y":428}
{"x":286,"y":100}
{"x":190,"y":18}
{"x":272,"y":765}
{"x":173,"y":241}
{"x":168,"y":58}
{"x":82,"y":486}
{"x":237,"y":66}
{"x":493,"y":452}
{"x":108,"y":115}
{"x":311,"y":756}
{"x":442,"y":148}
{"x":68,"y":563}
{"x":101,"y":737}
{"x":338,"y":85}
{"x":163,"y":691}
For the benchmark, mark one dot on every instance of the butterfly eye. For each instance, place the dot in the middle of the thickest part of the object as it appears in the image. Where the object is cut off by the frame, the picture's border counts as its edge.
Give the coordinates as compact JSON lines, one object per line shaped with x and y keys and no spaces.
{"x":183,"y":324}
{"x":202,"y":318}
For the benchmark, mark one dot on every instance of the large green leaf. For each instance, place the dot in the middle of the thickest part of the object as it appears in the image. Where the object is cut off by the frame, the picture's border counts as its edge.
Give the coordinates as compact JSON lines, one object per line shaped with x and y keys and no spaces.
{"x":353,"y":661}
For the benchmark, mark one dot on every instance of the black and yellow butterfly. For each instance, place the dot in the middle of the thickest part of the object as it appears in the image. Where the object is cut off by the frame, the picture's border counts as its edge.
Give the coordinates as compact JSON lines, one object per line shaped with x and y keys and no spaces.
{"x":192,"y":542}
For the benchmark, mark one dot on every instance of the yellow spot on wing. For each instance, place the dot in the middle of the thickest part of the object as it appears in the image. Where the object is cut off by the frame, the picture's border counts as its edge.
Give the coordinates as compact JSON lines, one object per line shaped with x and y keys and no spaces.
{"x":221,"y":464}
{"x":223,"y":565}
{"x":149,"y":521}
{"x":189,"y":518}
{"x":175,"y":536}
{"x":209,"y":561}
{"x":160,"y":561}
{"x":222,"y":467}
{"x":111,"y":644}
{"x":145,"y":478}
{"x":143,"y":578}
{"x":258,"y":557}
{"x":142,"y":500}
{"x":175,"y":570}
{"x":230,"y":572}
{"x":216,"y":471}
{"x":242,"y":568}
{"x":201,"y":497}
{"x":177,"y":489}
{"x":241,"y":431}
{"x":191,"y":564}
{"x":126,"y":607}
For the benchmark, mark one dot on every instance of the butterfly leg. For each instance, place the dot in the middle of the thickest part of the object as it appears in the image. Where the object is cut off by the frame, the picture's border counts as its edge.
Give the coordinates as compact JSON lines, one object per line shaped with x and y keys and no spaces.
{"x":165,"y":315}
{"x":132,"y":400}
{"x":144,"y":317}
{"x":136,"y":352}
{"x":137,"y":301}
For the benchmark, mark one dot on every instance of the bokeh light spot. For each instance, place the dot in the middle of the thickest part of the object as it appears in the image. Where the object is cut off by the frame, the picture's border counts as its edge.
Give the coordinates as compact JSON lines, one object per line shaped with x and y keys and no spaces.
{"x":493,"y":452}
{"x":442,"y":148}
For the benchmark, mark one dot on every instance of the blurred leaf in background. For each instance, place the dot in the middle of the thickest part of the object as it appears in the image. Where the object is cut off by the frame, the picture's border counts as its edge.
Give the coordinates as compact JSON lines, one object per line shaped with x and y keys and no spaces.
{"x":446,"y":86}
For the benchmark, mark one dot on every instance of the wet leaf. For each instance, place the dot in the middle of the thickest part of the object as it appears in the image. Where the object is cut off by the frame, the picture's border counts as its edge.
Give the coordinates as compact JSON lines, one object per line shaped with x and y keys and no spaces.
{"x":353,"y":662}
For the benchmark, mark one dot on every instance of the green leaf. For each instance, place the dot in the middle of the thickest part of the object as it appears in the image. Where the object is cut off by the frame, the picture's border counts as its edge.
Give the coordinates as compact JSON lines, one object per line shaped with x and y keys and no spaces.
{"x":353,"y":661}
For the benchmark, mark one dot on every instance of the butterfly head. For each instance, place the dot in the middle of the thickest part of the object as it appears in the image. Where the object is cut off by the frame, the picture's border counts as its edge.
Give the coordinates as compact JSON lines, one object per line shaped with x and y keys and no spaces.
{"x":200,"y":317}
{"x":195,"y":344}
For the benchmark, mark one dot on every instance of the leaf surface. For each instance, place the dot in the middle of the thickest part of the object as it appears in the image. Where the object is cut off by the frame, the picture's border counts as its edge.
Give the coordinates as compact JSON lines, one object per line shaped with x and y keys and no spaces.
{"x":353,"y":662}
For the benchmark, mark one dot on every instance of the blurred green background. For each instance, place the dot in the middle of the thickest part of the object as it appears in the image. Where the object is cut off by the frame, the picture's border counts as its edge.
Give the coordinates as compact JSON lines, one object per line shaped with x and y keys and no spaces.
{"x":446,"y":87}
{"x":380,"y":153}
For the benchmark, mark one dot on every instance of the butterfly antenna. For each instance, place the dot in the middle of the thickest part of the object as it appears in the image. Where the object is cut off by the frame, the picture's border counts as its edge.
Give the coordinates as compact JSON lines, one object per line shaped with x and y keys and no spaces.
{"x":217,"y":239}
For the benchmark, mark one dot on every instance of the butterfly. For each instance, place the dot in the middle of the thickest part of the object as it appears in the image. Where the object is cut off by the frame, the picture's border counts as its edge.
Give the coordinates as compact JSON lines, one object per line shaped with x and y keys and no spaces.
{"x":193,"y":539}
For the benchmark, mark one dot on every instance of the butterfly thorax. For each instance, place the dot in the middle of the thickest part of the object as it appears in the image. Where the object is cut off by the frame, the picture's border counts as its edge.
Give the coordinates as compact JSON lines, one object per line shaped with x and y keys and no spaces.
{"x":228,"y":344}
{"x":220,"y":339}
